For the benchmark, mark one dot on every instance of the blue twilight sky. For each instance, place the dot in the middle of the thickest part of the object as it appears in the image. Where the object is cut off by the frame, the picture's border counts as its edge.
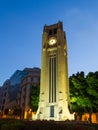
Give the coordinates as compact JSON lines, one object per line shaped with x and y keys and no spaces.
{"x":21,"y":27}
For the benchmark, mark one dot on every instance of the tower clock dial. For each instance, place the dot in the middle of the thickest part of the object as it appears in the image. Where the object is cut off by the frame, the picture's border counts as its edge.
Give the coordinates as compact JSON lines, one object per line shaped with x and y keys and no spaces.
{"x":52,"y":41}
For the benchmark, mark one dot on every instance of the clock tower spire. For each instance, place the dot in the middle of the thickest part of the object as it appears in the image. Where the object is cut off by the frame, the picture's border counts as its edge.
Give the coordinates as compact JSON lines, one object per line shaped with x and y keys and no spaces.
{"x":54,"y":89}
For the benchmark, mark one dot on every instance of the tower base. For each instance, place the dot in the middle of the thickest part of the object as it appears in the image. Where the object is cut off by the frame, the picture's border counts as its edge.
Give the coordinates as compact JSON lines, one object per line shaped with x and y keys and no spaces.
{"x":54,"y":111}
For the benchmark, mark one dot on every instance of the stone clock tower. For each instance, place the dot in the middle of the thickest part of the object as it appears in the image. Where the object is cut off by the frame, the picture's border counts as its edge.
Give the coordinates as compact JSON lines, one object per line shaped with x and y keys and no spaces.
{"x":54,"y":89}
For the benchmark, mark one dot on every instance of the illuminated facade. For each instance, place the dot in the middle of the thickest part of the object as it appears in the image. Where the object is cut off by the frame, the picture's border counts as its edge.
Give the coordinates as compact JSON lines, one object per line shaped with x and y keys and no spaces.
{"x":54,"y":89}
{"x":31,"y":79}
{"x":15,"y":92}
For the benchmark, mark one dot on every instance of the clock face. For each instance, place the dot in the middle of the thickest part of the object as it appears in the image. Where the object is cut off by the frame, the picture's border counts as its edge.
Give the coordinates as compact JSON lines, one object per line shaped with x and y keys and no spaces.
{"x":52,"y":41}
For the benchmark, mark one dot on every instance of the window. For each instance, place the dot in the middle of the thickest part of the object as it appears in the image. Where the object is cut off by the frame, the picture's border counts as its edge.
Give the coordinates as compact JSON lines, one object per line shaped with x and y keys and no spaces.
{"x":3,"y":101}
{"x":5,"y":94}
{"x":31,"y":78}
{"x":2,"y":107}
{"x":55,"y":30}
{"x":5,"y":88}
{"x":24,"y":89}
{"x":23,"y":104}
{"x":24,"y":97}
{"x":51,"y":111}
{"x":50,"y":32}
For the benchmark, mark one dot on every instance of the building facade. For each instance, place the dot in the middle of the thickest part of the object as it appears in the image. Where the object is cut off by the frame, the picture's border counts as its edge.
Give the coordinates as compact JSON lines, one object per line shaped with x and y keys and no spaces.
{"x":0,"y":101}
{"x":4,"y":96}
{"x":32,"y":79}
{"x":54,"y":89}
{"x":15,"y":92}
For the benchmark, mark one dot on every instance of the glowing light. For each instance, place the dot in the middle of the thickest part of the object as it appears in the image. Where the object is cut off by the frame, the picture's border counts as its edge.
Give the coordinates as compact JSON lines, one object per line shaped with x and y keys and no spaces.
{"x":25,"y":115}
{"x":30,"y":110}
{"x":9,"y":110}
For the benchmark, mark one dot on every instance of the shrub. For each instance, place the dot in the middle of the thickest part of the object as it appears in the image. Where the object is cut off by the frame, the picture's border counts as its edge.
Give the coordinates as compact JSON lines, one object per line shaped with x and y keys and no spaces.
{"x":12,"y":125}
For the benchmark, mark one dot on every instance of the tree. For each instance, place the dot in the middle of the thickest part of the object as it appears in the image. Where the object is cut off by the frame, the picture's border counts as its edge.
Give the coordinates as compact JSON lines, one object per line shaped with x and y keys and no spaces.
{"x":78,"y":95}
{"x":34,"y":97}
{"x":84,"y":93}
{"x":92,"y":90}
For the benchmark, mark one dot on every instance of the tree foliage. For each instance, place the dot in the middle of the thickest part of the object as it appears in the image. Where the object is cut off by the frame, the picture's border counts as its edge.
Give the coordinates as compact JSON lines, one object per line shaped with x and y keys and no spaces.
{"x":92,"y":80}
{"x":34,"y":97}
{"x":84,"y":92}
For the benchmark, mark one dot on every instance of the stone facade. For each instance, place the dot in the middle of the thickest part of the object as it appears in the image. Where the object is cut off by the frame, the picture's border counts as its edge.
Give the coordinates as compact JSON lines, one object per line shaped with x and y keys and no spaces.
{"x":15,"y":92}
{"x":32,"y":79}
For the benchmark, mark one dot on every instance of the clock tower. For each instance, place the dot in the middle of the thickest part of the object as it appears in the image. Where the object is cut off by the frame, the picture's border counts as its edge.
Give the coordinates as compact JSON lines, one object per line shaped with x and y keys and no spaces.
{"x":54,"y":85}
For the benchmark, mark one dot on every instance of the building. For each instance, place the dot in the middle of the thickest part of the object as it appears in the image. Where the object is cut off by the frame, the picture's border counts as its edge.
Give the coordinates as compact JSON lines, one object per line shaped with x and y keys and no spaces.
{"x":32,"y":79}
{"x":14,"y":89}
{"x":0,"y":101}
{"x":54,"y":89}
{"x":4,"y":96}
{"x":15,"y":92}
{"x":0,"y":98}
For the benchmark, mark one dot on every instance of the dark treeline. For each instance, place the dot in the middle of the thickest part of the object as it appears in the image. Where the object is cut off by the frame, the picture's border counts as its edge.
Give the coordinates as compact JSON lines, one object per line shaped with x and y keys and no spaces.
{"x":84,"y":93}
